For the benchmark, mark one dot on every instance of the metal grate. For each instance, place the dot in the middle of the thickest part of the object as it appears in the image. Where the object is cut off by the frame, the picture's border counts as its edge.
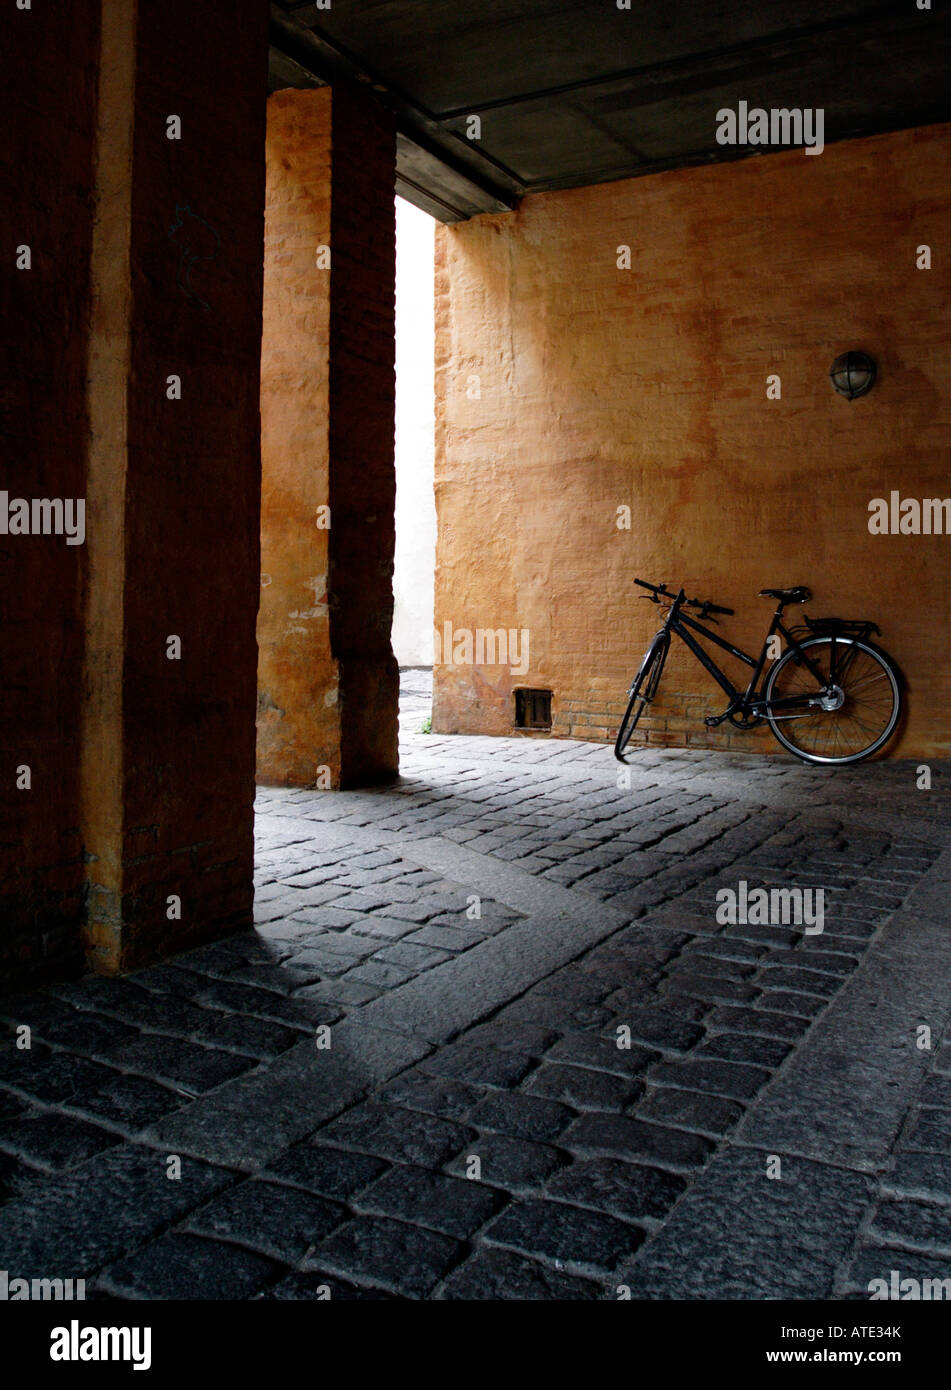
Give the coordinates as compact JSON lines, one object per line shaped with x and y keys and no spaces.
{"x":533,"y":709}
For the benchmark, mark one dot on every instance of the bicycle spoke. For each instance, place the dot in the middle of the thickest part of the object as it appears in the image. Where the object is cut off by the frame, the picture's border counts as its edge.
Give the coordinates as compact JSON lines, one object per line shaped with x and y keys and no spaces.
{"x":868,"y":680}
{"x":867,"y":695}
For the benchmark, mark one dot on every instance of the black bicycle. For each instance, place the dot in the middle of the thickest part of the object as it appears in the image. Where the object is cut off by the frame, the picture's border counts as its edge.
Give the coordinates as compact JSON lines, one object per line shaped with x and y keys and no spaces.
{"x":832,"y":696}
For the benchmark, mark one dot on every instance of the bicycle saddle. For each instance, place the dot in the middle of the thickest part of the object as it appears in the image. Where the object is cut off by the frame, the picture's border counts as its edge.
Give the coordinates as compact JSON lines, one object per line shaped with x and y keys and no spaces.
{"x":798,"y":595}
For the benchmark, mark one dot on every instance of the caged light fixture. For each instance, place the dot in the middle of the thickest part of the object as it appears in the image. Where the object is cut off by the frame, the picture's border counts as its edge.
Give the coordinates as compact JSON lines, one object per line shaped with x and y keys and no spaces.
{"x":852,"y":374}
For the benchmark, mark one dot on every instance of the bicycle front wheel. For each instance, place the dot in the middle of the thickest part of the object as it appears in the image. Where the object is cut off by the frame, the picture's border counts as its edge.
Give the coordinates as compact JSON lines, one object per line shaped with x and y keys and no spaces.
{"x":642,"y":692}
{"x":861,"y":700}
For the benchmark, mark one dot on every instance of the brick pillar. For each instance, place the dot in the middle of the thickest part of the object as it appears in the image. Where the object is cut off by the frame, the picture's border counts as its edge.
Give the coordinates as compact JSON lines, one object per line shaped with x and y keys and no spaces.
{"x":328,"y":682}
{"x":127,"y":778}
{"x":173,"y":477}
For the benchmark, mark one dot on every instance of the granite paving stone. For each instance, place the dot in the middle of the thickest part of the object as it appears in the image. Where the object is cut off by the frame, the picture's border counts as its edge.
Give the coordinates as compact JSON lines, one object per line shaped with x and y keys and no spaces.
{"x":625,"y":1137}
{"x":600,"y":1054}
{"x":581,"y":1239}
{"x":515,"y":1164}
{"x":528,"y":1038}
{"x":283,"y":1222}
{"x":457,"y":1207}
{"x":918,"y":1225}
{"x":706,"y":1114}
{"x":391,"y":1254}
{"x":758,"y":1023}
{"x":671,"y":1027}
{"x":523,"y":1116}
{"x":483,"y":1066}
{"x":320,"y":1287}
{"x":100,"y":1210}
{"x":327,"y":1080}
{"x":634,"y":1192}
{"x":492,"y":1275}
{"x":932,"y":1274}
{"x":188,"y":1066}
{"x":931,"y":1130}
{"x":53,"y":1140}
{"x":336,"y":1173}
{"x":180,"y":1266}
{"x":735,"y":1080}
{"x":433,"y":1094}
{"x":407,"y":1136}
{"x":52,"y":1077}
{"x":738,"y":1234}
{"x":740,"y":1047}
{"x":584,"y":1089}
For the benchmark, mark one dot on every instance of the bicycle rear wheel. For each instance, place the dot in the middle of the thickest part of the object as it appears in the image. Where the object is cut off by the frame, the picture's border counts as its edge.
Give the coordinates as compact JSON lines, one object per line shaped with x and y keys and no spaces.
{"x":642,"y":692}
{"x":861,"y":707}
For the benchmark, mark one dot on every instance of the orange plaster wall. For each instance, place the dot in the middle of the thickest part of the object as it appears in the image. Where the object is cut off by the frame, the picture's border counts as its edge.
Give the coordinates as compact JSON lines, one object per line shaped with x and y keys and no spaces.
{"x":327,"y":678}
{"x":298,"y":720}
{"x":567,"y":388}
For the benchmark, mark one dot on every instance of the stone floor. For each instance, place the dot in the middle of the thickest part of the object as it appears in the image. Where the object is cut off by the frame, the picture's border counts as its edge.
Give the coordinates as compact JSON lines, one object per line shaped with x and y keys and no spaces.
{"x":489,"y":1041}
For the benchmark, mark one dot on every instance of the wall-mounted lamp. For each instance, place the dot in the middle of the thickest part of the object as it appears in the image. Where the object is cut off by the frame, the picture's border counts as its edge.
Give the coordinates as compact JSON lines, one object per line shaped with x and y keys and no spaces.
{"x":852,"y":374}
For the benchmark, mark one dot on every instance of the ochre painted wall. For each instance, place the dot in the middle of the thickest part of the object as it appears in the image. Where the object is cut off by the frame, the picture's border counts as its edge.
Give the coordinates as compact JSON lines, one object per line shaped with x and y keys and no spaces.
{"x":327,"y":678}
{"x":298,"y":712}
{"x":146,"y":263}
{"x":567,"y":388}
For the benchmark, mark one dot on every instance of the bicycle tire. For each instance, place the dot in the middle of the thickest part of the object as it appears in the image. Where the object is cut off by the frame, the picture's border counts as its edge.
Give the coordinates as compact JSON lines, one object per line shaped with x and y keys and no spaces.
{"x":642,"y":692}
{"x":879,"y":667}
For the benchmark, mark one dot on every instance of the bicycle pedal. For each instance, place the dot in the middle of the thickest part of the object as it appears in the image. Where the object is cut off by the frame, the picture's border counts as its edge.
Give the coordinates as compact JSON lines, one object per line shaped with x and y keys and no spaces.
{"x":713,"y":721}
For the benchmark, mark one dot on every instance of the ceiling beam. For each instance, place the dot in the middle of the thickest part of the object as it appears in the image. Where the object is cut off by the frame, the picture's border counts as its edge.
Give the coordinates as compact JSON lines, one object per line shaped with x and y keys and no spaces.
{"x":456,"y":184}
{"x":752,"y":58}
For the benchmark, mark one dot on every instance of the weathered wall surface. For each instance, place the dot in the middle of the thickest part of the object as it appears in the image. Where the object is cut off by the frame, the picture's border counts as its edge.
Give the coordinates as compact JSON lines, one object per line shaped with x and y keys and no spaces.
{"x":46,"y":158}
{"x":327,"y":677}
{"x":298,"y":710}
{"x":193,"y":479}
{"x":146,"y":265}
{"x":568,"y":388}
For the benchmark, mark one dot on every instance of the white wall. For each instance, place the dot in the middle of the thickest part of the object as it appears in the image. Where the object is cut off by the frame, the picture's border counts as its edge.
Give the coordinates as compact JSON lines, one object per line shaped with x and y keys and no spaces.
{"x":415,"y":403}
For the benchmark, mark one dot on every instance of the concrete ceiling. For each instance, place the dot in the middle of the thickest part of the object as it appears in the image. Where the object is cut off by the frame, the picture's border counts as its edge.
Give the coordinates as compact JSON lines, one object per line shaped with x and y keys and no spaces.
{"x":572,"y":92}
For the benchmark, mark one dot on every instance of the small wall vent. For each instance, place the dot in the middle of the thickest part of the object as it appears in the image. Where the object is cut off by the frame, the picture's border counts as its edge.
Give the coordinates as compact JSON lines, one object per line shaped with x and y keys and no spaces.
{"x":533,"y":709}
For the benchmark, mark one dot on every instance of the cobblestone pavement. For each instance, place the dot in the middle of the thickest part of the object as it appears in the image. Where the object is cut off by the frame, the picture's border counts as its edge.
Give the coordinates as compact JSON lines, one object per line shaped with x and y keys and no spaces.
{"x":474,"y":943}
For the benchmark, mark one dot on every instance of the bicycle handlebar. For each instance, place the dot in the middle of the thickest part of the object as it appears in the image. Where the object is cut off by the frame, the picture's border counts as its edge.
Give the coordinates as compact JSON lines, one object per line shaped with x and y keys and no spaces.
{"x":704,"y":605}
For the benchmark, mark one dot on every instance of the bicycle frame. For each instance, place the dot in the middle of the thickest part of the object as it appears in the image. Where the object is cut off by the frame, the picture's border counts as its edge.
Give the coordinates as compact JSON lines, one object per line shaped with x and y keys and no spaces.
{"x":746,"y":700}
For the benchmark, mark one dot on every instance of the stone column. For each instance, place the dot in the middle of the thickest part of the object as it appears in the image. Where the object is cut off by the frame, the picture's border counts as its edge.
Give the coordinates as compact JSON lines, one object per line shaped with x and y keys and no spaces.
{"x":328,"y":682}
{"x":173,"y":483}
